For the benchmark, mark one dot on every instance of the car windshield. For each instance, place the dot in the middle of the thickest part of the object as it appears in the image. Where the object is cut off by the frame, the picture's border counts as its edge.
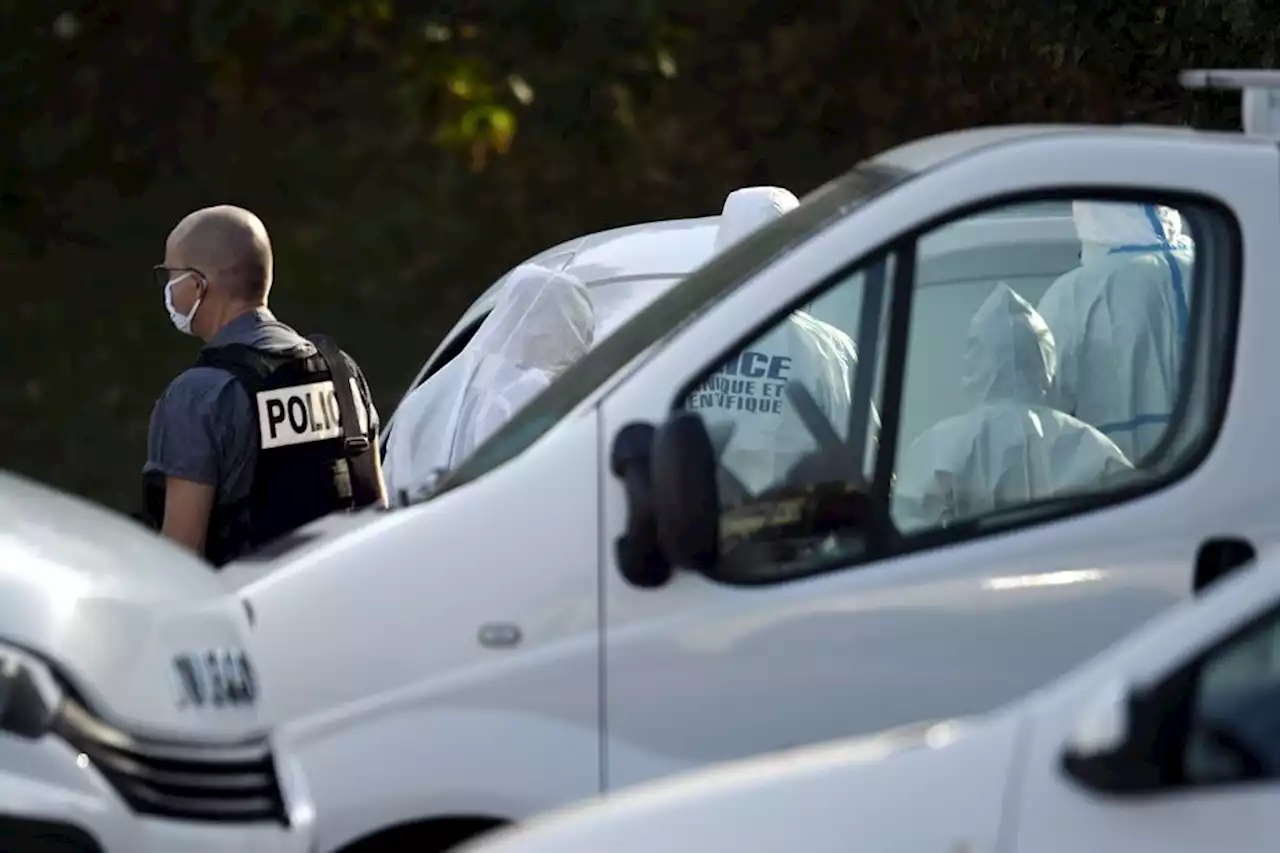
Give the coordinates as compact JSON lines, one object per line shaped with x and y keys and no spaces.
{"x":669,"y":312}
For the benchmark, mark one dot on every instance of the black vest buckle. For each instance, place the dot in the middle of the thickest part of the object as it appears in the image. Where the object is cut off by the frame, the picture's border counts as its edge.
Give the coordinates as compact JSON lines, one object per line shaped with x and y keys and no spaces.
{"x":355,"y":445}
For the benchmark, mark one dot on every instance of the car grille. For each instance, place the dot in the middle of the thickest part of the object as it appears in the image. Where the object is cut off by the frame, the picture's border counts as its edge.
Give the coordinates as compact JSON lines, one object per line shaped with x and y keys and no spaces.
{"x":236,"y":783}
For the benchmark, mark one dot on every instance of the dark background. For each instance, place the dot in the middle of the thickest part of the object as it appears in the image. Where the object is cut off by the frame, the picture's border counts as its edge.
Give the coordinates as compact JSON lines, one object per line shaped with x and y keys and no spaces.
{"x":404,"y":154}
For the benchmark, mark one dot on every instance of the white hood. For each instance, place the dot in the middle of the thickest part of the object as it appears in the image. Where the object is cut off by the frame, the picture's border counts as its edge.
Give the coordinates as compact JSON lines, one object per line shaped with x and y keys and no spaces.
{"x":1009,"y":354}
{"x":1103,"y":226}
{"x":749,"y":209}
{"x":542,"y":321}
{"x":93,"y":546}
{"x":110,"y":602}
{"x":916,"y":788}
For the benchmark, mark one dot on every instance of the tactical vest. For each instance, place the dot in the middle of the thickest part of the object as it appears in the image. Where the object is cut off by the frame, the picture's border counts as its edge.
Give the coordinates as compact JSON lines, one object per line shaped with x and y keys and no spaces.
{"x":307,"y":464}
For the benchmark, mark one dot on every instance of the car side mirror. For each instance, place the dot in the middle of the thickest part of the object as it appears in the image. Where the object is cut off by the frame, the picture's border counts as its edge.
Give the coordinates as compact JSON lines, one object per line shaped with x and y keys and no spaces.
{"x":1114,"y":747}
{"x":686,"y":492}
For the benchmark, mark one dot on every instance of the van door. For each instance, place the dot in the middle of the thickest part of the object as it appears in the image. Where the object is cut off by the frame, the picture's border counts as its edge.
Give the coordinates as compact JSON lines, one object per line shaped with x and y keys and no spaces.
{"x":953,"y":515}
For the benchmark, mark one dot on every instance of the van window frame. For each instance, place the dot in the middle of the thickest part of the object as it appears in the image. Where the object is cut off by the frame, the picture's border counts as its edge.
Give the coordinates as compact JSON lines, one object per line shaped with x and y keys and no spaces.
{"x":1222,"y":265}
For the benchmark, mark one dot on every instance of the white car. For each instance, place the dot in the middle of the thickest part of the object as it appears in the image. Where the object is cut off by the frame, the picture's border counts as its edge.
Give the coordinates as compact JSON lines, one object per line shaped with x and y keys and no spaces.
{"x":623,"y":270}
{"x":131,"y":720}
{"x":550,"y":624}
{"x":1168,"y":743}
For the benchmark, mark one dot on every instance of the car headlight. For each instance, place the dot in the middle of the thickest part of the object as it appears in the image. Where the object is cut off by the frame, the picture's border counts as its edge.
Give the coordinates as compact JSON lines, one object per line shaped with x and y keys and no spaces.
{"x":29,"y":694}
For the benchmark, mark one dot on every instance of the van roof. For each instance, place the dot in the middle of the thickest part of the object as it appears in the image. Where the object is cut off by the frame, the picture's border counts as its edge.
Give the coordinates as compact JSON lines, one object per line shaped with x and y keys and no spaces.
{"x":671,"y":249}
{"x":629,"y":251}
{"x":921,"y":154}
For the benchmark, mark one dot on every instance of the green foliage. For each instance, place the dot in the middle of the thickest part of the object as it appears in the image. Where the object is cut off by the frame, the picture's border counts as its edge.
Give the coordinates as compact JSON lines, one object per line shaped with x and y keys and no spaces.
{"x":404,"y":154}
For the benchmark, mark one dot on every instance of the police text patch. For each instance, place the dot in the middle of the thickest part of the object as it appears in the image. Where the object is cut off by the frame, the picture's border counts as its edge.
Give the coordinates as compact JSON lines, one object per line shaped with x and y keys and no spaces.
{"x":302,"y":413}
{"x":753,"y":382}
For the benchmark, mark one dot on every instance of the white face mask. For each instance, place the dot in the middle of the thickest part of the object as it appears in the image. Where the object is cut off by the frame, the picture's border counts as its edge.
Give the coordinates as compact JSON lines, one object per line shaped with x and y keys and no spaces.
{"x":181,"y":322}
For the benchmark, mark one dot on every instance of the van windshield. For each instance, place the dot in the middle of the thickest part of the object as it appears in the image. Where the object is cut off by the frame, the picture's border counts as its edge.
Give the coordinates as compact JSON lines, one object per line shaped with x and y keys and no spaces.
{"x":671,"y":311}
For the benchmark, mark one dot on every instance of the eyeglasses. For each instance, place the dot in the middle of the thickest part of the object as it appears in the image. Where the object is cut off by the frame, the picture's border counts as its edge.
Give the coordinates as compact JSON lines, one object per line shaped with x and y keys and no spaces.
{"x":162,"y":275}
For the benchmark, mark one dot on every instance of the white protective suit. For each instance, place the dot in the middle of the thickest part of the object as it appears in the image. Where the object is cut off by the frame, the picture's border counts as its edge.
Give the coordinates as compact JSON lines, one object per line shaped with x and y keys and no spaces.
{"x":748,"y":394}
{"x":1120,"y":321}
{"x":541,"y":323}
{"x":1011,"y":448}
{"x":749,"y":209}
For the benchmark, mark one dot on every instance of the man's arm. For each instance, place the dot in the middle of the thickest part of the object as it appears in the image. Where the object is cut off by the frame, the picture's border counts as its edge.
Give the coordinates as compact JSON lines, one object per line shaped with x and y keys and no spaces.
{"x":187,"y":508}
{"x":183,"y":447}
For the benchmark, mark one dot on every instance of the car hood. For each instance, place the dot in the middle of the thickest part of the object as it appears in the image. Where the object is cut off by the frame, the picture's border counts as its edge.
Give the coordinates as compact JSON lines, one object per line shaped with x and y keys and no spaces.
{"x":90,"y":546}
{"x":111,"y":604}
{"x":921,"y":787}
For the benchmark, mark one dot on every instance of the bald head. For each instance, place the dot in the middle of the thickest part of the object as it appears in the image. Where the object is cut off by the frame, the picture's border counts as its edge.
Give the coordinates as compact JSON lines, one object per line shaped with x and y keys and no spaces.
{"x":229,"y":246}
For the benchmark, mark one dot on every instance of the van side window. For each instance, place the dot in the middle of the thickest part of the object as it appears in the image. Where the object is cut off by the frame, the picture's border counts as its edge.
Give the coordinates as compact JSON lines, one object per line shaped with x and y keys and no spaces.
{"x":1003,"y":368}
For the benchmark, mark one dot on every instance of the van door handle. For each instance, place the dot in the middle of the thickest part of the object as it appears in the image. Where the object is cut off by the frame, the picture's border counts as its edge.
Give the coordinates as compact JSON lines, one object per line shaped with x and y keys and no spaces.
{"x":1219,"y":557}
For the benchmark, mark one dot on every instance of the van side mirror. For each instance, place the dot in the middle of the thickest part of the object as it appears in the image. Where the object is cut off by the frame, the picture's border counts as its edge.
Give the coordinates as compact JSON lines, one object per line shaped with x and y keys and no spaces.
{"x":673,"y":502}
{"x":1117,"y":744}
{"x":640,"y":559}
{"x":686,"y":493}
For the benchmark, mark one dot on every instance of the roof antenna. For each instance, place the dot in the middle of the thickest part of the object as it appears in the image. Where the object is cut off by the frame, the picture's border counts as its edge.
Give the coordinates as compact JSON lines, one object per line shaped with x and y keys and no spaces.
{"x":1259,"y":94}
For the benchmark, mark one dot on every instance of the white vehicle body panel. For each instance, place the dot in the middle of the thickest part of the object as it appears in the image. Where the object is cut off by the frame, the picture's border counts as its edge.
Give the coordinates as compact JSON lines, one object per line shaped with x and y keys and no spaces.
{"x":891,"y":642}
{"x":872,"y":794}
{"x":74,"y":573}
{"x":620,"y":684}
{"x":516,"y":727}
{"x":106,"y":606}
{"x":992,"y":784}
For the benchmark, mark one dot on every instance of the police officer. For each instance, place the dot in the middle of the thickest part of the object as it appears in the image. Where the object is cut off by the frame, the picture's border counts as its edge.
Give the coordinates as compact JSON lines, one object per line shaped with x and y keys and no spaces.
{"x":268,"y":430}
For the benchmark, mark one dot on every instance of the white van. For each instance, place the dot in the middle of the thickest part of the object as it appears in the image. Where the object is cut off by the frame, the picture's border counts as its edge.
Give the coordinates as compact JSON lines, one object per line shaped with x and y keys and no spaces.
{"x":131,"y":719}
{"x":1168,"y":743}
{"x":554,"y":622}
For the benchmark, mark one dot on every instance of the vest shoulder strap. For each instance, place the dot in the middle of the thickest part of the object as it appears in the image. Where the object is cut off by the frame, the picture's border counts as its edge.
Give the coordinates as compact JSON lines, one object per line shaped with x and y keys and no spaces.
{"x":354,"y":442}
{"x":357,"y":447}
